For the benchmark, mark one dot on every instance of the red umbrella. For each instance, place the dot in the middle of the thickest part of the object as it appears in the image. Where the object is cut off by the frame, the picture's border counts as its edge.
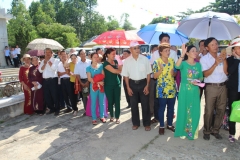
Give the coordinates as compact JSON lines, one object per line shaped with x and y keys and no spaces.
{"x":118,"y":37}
{"x":36,"y":53}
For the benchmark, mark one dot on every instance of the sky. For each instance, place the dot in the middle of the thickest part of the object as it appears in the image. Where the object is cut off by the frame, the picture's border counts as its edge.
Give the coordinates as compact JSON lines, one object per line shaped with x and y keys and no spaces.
{"x":140,"y":11}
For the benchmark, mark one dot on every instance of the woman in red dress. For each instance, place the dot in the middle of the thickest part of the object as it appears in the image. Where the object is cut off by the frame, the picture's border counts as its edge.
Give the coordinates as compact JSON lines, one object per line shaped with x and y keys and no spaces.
{"x":36,"y":81}
{"x":23,"y":78}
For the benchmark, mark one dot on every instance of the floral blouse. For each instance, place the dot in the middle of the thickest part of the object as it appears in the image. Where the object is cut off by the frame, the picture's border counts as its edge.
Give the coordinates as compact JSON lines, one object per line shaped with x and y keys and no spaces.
{"x":166,"y":87}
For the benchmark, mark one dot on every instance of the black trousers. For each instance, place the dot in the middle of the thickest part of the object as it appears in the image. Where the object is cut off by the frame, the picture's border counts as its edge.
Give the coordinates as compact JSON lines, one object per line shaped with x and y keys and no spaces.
{"x":137,"y":89}
{"x":84,"y":98}
{"x":232,"y":96}
{"x":7,"y":58}
{"x":126,"y":93}
{"x":156,"y":102}
{"x":19,"y":58}
{"x":50,"y":89}
{"x":74,"y":97}
{"x":67,"y":91}
{"x":16,"y":62}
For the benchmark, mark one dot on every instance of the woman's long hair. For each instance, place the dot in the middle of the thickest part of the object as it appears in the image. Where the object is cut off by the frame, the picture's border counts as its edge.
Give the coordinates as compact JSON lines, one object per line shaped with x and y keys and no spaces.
{"x":108,"y":51}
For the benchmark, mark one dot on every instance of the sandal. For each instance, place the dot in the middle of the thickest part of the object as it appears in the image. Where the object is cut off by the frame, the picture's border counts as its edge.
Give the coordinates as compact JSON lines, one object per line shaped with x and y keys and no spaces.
{"x":117,"y":121}
{"x":147,"y":128}
{"x":75,"y":113}
{"x":154,"y":121}
{"x":94,"y":122}
{"x":103,"y":120}
{"x":111,"y":119}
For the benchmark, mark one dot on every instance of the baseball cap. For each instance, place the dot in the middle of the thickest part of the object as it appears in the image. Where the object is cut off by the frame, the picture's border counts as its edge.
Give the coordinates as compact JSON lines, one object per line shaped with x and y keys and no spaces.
{"x":134,"y":44}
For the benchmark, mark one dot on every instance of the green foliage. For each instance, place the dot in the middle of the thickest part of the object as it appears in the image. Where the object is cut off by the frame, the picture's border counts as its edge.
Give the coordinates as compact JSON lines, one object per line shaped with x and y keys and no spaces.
{"x":20,"y":28}
{"x":126,"y":24}
{"x":112,"y":23}
{"x":67,"y":21}
{"x":183,"y":15}
{"x":164,"y":19}
{"x":142,"y":25}
{"x":64,"y":34}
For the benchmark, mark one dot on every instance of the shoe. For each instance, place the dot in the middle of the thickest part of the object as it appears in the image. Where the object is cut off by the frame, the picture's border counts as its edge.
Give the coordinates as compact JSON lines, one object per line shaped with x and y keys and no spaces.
{"x":172,"y":128}
{"x":56,"y":113}
{"x":68,"y":110}
{"x":103,"y":120}
{"x":117,"y":121}
{"x":161,"y":131}
{"x":94,"y":122}
{"x":111,"y":119}
{"x":231,"y":139}
{"x":217,"y":136}
{"x":147,"y":128}
{"x":206,"y":137}
{"x":50,"y":112}
{"x":135,"y":127}
{"x":75,"y":113}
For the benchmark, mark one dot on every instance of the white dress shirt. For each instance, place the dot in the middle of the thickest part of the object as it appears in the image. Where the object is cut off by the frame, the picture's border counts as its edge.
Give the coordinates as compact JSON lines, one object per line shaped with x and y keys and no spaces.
{"x":62,"y":69}
{"x":156,"y":55}
{"x":7,"y":52}
{"x":14,"y":54}
{"x":49,"y":71}
{"x":80,"y":68}
{"x":18,"y":50}
{"x":218,"y":75}
{"x":136,"y":69}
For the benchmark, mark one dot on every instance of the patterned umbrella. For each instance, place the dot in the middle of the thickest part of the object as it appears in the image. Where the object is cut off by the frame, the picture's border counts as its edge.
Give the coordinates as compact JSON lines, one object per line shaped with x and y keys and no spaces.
{"x":37,"y":53}
{"x":43,"y":43}
{"x":118,"y":38}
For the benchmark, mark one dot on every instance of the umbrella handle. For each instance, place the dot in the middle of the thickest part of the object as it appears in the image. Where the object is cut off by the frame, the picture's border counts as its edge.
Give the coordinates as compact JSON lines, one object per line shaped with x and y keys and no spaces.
{"x":209,"y":27}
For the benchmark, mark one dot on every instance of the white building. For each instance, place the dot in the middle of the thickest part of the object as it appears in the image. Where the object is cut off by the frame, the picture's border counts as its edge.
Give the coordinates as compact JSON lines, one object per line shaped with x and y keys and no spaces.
{"x":4,"y":17}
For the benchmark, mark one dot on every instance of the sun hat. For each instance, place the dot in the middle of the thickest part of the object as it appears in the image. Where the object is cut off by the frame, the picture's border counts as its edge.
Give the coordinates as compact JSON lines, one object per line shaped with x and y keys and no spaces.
{"x":133,"y":44}
{"x":234,"y":42}
{"x":25,"y":56}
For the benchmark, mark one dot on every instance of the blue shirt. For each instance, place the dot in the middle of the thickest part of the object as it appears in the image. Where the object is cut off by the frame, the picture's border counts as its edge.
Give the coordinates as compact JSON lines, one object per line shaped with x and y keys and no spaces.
{"x":94,"y":71}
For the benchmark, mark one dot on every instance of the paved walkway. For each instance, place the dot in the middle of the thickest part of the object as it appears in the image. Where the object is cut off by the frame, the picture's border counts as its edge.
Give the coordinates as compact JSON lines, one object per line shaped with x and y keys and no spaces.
{"x":75,"y":138}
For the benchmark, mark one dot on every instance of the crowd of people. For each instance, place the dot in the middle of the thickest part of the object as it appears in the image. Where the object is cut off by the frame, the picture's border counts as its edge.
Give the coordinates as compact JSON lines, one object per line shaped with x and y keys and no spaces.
{"x":50,"y":85}
{"x":13,"y":56}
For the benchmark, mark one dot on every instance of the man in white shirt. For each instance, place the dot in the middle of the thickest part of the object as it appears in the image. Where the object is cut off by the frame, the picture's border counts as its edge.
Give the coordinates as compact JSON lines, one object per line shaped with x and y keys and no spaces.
{"x":164,"y":38}
{"x":137,"y":70}
{"x":48,"y":68}
{"x":214,"y":67}
{"x":202,"y":49}
{"x":7,"y":55}
{"x":18,"y":50}
{"x":14,"y":57}
{"x":153,"y":101}
{"x":80,"y":71}
{"x":66,"y":89}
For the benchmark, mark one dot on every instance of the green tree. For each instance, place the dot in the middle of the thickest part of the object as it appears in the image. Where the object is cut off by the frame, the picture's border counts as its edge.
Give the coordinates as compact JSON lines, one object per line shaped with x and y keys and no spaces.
{"x":231,"y":7}
{"x":126,"y":24}
{"x":64,"y":34}
{"x":81,"y":15}
{"x":164,"y":19}
{"x":183,"y":15}
{"x":48,"y":8}
{"x":142,"y":25}
{"x":20,"y":28}
{"x":112,"y":23}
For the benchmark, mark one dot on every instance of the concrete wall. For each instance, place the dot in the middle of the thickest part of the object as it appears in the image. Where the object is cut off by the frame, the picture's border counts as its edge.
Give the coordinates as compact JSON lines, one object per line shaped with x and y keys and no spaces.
{"x":11,"y":106}
{"x":3,"y":35}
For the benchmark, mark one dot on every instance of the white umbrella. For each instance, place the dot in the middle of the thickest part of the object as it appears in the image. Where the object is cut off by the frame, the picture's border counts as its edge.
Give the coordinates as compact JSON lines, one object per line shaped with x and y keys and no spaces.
{"x":210,"y":24}
{"x":43,"y":43}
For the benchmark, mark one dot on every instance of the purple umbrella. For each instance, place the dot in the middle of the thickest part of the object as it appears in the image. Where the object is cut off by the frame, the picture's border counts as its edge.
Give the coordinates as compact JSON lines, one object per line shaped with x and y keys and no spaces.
{"x":36,"y":53}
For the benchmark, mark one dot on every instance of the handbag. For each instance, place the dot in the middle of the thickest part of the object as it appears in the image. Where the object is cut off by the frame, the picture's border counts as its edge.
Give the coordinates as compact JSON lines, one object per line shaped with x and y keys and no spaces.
{"x":235,"y":113}
{"x":77,"y":86}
